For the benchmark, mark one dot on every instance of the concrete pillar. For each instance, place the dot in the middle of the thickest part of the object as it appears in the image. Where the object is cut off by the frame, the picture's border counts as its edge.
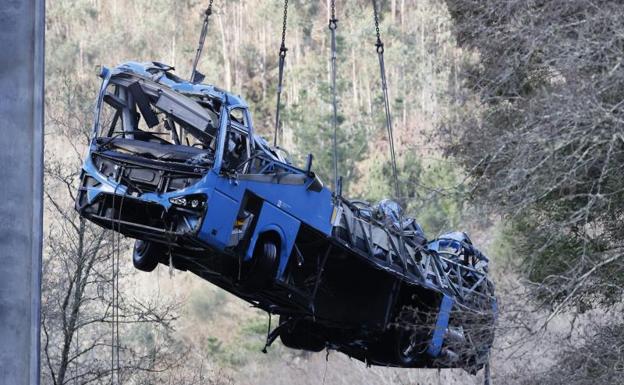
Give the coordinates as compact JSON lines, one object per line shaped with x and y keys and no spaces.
{"x":21,"y":182}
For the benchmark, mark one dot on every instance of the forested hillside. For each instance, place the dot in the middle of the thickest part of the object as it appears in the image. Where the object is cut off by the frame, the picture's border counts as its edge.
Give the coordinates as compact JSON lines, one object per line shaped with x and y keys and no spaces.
{"x":508,"y":123}
{"x":547,"y":152}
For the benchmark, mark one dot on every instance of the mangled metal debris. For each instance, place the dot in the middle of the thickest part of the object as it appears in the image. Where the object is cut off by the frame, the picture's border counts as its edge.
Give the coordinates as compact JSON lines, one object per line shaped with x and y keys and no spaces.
{"x":178,"y":166}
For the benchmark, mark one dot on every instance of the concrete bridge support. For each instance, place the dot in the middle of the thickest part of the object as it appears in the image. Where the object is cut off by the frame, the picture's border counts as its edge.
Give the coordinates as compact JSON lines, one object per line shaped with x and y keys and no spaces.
{"x":21,"y":182}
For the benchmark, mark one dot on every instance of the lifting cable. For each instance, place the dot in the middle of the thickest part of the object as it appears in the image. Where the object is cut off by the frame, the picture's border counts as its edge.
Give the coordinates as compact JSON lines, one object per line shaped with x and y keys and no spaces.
{"x":333,"y":24}
{"x":116,"y":251}
{"x":113,"y":288}
{"x":116,"y":324}
{"x":202,"y":39}
{"x":282,"y":62}
{"x":384,"y":87}
{"x":380,"y":51}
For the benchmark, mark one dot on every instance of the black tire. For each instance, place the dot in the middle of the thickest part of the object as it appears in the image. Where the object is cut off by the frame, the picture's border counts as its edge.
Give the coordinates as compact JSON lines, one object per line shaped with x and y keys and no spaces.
{"x":408,"y":347}
{"x":145,"y":255}
{"x":409,"y":338}
{"x":299,"y":335}
{"x":260,"y":271}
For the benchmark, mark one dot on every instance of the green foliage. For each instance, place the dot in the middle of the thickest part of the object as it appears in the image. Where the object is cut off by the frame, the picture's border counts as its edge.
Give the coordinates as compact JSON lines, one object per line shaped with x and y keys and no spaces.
{"x":439,"y":199}
{"x":204,"y":304}
{"x":431,"y":193}
{"x":255,"y":326}
{"x":214,"y":346}
{"x":249,"y":339}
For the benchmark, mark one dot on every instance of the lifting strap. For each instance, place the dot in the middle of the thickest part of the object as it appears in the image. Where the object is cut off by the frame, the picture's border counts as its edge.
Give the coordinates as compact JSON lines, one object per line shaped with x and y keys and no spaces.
{"x":200,"y":47}
{"x":384,"y":87}
{"x":333,"y":24}
{"x":282,"y":62}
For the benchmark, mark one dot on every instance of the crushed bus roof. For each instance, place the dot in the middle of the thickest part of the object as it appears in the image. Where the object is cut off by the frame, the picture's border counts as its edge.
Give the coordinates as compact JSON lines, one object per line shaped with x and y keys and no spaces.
{"x":161,"y":73}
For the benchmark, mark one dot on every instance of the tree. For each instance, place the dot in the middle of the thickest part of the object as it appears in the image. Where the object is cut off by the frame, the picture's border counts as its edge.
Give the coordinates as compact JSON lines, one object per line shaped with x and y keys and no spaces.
{"x":77,"y":314}
{"x":545,"y":150}
{"x":547,"y":146}
{"x":598,"y":360}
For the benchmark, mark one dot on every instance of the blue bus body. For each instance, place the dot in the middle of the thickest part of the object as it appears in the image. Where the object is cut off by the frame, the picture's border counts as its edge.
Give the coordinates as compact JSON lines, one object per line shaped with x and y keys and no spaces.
{"x":178,"y":167}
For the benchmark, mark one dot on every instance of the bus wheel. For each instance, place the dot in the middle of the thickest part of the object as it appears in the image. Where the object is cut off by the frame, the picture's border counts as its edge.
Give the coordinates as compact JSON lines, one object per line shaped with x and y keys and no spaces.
{"x":408,"y":347}
{"x":260,"y":271}
{"x":145,"y":255}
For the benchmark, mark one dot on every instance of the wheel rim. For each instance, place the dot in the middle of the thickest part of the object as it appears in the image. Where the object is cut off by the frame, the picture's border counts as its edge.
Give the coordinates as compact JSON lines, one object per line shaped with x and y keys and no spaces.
{"x":408,"y":347}
{"x":270,"y":252}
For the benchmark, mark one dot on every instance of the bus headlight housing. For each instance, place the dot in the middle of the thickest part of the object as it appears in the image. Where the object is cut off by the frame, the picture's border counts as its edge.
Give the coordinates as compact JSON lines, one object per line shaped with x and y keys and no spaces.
{"x":192,"y":202}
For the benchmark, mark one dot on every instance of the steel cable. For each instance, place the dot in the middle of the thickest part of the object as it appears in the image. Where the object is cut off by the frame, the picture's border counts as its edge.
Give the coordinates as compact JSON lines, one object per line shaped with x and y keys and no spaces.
{"x":384,"y":87}
{"x":333,"y":24}
{"x":282,"y":63}
{"x":202,"y":39}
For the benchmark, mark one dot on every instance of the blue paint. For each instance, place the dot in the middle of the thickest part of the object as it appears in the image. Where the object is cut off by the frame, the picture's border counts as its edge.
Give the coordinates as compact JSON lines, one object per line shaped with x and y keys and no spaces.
{"x":313,"y":208}
{"x":296,"y":203}
{"x":219,"y":221}
{"x":112,"y":187}
{"x":435,"y":346}
{"x":221,"y":140}
{"x":177,"y":84}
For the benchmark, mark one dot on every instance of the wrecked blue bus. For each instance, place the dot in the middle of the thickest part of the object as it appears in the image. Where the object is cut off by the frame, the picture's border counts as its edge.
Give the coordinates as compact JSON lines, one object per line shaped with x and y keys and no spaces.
{"x":178,"y":167}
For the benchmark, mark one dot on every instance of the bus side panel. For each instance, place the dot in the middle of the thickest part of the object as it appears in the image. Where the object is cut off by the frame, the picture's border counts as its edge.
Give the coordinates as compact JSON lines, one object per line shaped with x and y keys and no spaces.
{"x":219,"y":221}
